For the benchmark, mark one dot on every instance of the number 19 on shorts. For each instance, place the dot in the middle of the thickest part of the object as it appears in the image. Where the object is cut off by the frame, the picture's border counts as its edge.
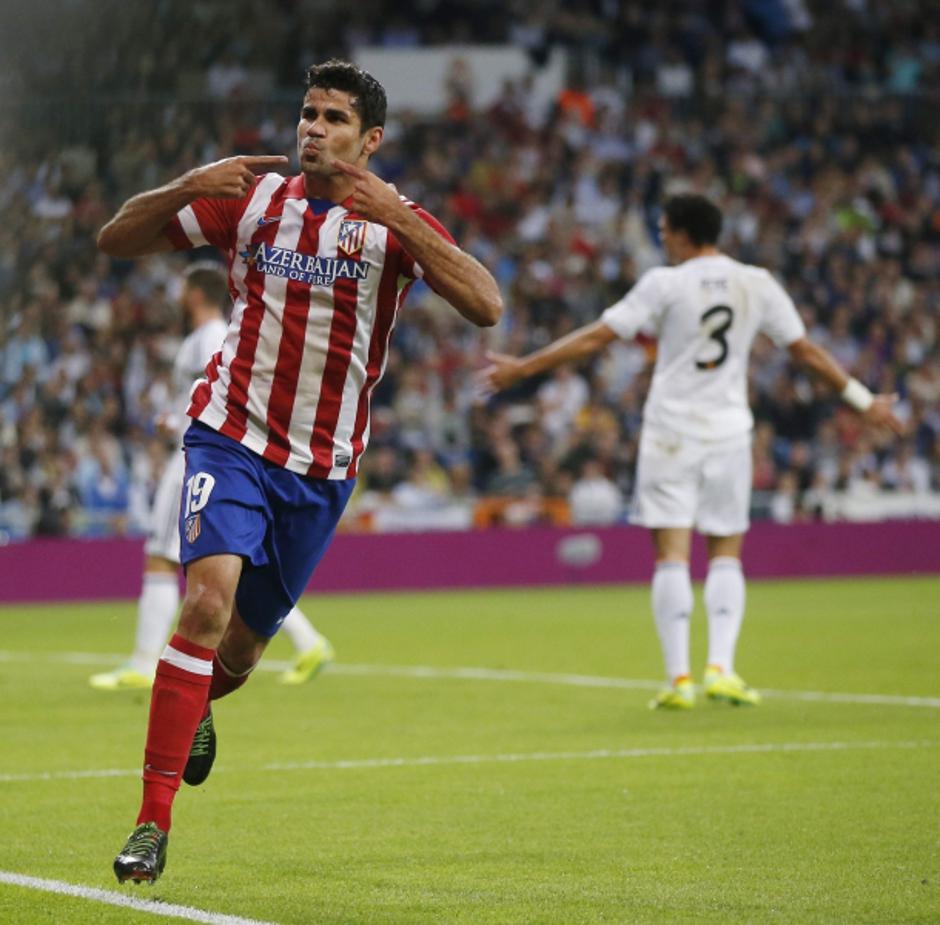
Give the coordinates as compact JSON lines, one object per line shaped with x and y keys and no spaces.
{"x":198,"y":489}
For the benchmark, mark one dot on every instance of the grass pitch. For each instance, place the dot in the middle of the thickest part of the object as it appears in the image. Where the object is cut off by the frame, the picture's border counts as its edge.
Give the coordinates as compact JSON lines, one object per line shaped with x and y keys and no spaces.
{"x":537,"y":789}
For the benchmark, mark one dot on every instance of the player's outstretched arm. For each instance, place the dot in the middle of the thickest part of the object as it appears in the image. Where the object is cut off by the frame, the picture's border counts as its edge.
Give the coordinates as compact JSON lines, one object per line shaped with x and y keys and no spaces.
{"x":452,"y":273}
{"x":136,"y":229}
{"x":505,"y":371}
{"x":877,"y":410}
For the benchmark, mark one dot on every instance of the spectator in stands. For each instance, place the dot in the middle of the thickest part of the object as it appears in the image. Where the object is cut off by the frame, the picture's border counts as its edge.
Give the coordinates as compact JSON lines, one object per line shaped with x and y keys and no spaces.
{"x":512,"y":478}
{"x":905,"y":471}
{"x":594,"y":498}
{"x":560,"y":399}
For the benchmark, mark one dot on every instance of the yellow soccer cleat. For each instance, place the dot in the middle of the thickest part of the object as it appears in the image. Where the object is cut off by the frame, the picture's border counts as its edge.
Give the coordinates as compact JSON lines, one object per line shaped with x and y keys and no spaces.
{"x":730,"y":688}
{"x":124,"y":678}
{"x":309,"y":663}
{"x":680,"y":696}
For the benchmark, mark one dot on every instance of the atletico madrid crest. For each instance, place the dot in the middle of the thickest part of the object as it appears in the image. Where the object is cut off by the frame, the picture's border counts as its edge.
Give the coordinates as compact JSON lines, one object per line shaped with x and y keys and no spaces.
{"x":352,"y":235}
{"x":193,"y":528}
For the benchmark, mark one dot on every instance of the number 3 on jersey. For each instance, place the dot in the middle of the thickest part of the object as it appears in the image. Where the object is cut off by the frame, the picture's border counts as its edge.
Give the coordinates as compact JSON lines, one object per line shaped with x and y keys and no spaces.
{"x":198,"y":489}
{"x":721,"y":317}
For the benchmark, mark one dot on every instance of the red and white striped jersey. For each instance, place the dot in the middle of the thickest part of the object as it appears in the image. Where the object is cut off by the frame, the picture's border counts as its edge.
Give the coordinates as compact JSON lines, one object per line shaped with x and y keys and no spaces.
{"x":316,"y":293}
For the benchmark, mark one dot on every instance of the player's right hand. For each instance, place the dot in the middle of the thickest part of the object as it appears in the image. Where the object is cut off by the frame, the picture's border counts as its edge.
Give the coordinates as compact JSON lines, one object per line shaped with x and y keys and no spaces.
{"x":232,"y":177}
{"x":503,"y":371}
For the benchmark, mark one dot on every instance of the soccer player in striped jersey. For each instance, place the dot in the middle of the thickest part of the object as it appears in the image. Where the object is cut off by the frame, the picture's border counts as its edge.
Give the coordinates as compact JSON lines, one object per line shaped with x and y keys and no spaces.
{"x":694,"y":461}
{"x":204,"y":300}
{"x":319,"y":265}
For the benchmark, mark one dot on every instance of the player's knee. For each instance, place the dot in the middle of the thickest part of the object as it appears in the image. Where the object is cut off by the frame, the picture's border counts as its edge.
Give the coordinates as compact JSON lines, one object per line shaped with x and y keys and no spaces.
{"x":206,"y":610}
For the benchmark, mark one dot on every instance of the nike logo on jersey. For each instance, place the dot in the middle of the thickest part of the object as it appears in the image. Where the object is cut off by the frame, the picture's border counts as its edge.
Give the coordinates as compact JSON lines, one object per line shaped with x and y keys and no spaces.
{"x":268,"y":220}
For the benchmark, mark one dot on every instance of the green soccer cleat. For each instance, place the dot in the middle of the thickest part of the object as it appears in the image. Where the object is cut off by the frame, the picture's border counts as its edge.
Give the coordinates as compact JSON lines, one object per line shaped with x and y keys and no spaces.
{"x":308,"y":664}
{"x":143,"y":858}
{"x":201,"y":752}
{"x":729,"y":688}
{"x":123,"y":678}
{"x":680,"y":696}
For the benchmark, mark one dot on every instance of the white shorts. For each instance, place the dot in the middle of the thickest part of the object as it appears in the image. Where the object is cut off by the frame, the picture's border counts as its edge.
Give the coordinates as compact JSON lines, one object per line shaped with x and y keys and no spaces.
{"x":163,"y":540}
{"x":682,"y":482}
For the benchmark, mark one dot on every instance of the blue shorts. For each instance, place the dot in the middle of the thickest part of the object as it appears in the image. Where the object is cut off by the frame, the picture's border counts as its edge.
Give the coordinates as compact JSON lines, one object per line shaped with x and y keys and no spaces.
{"x":279,"y":522}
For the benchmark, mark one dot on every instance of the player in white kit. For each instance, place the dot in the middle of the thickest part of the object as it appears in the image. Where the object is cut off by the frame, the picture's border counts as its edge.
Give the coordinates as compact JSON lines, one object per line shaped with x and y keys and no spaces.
{"x":694,"y":463}
{"x":203,"y":300}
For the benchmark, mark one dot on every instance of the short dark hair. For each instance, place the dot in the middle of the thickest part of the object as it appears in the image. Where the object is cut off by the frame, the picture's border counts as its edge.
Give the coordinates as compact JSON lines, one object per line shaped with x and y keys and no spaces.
{"x":366,"y":93}
{"x":696,"y":215}
{"x":210,"y":279}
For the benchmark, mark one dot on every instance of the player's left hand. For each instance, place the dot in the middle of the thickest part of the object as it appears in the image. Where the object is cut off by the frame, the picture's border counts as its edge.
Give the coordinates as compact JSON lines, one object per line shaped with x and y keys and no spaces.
{"x":373,"y":198}
{"x":881,"y":414}
{"x":504,"y":371}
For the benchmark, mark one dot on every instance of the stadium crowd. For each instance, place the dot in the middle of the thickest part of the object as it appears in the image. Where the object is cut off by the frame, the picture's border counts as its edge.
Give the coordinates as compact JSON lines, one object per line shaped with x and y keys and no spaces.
{"x":809,"y":123}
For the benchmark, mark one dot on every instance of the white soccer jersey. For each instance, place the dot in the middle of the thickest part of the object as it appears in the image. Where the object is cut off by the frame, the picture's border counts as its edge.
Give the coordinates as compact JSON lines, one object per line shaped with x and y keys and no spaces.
{"x":192,"y":357}
{"x":316,"y":292}
{"x":705,"y":314}
{"x":190,"y":364}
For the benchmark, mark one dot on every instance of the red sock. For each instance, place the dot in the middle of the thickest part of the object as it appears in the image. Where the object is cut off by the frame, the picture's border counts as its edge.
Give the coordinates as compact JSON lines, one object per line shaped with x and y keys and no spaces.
{"x":223,"y":681}
{"x":177,"y":703}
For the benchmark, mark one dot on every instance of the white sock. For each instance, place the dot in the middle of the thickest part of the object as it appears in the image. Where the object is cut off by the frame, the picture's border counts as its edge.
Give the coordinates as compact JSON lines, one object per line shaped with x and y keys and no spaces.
{"x":672,"y":608}
{"x":300,"y":631}
{"x":724,"y":603}
{"x":156,"y":611}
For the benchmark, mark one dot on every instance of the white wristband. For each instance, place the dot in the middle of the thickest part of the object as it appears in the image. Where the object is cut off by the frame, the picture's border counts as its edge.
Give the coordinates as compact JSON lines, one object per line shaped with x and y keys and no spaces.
{"x":857,"y":395}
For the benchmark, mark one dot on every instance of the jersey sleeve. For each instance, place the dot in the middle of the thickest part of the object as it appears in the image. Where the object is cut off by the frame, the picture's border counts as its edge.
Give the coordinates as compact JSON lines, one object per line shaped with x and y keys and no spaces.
{"x":640,"y":309}
{"x":410,"y":267}
{"x":208,"y":221}
{"x":780,"y":321}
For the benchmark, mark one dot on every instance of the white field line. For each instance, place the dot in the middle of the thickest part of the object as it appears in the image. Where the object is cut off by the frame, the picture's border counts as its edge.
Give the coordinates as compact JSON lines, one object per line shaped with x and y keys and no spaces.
{"x":583,"y":680}
{"x":753,"y":748}
{"x":494,"y":674}
{"x":94,"y":774}
{"x":500,"y":675}
{"x":599,"y":753}
{"x":151,"y":906}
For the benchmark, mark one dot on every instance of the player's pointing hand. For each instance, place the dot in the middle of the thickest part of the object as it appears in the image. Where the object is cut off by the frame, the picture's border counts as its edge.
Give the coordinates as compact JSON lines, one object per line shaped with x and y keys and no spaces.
{"x":351,"y":170}
{"x":232,"y":177}
{"x":373,"y":198}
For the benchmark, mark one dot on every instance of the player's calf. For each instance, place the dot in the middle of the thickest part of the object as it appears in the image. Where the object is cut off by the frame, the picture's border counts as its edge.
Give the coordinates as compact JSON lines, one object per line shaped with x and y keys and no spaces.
{"x":201,"y":752}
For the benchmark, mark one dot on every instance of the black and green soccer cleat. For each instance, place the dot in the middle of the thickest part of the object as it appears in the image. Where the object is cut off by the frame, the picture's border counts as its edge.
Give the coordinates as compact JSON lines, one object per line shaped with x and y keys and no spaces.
{"x":143,"y":858}
{"x":201,"y":752}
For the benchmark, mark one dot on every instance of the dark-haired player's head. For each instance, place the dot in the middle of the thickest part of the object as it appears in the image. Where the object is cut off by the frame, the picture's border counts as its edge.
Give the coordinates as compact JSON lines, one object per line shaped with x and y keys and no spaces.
{"x":342,"y":119}
{"x":210,"y":280}
{"x":696,"y":215}
{"x":205,"y":291}
{"x":366,"y":94}
{"x":689,"y":223}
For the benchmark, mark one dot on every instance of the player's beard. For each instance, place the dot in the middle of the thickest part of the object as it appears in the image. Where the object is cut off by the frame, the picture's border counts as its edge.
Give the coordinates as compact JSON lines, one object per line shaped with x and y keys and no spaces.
{"x":316,"y":166}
